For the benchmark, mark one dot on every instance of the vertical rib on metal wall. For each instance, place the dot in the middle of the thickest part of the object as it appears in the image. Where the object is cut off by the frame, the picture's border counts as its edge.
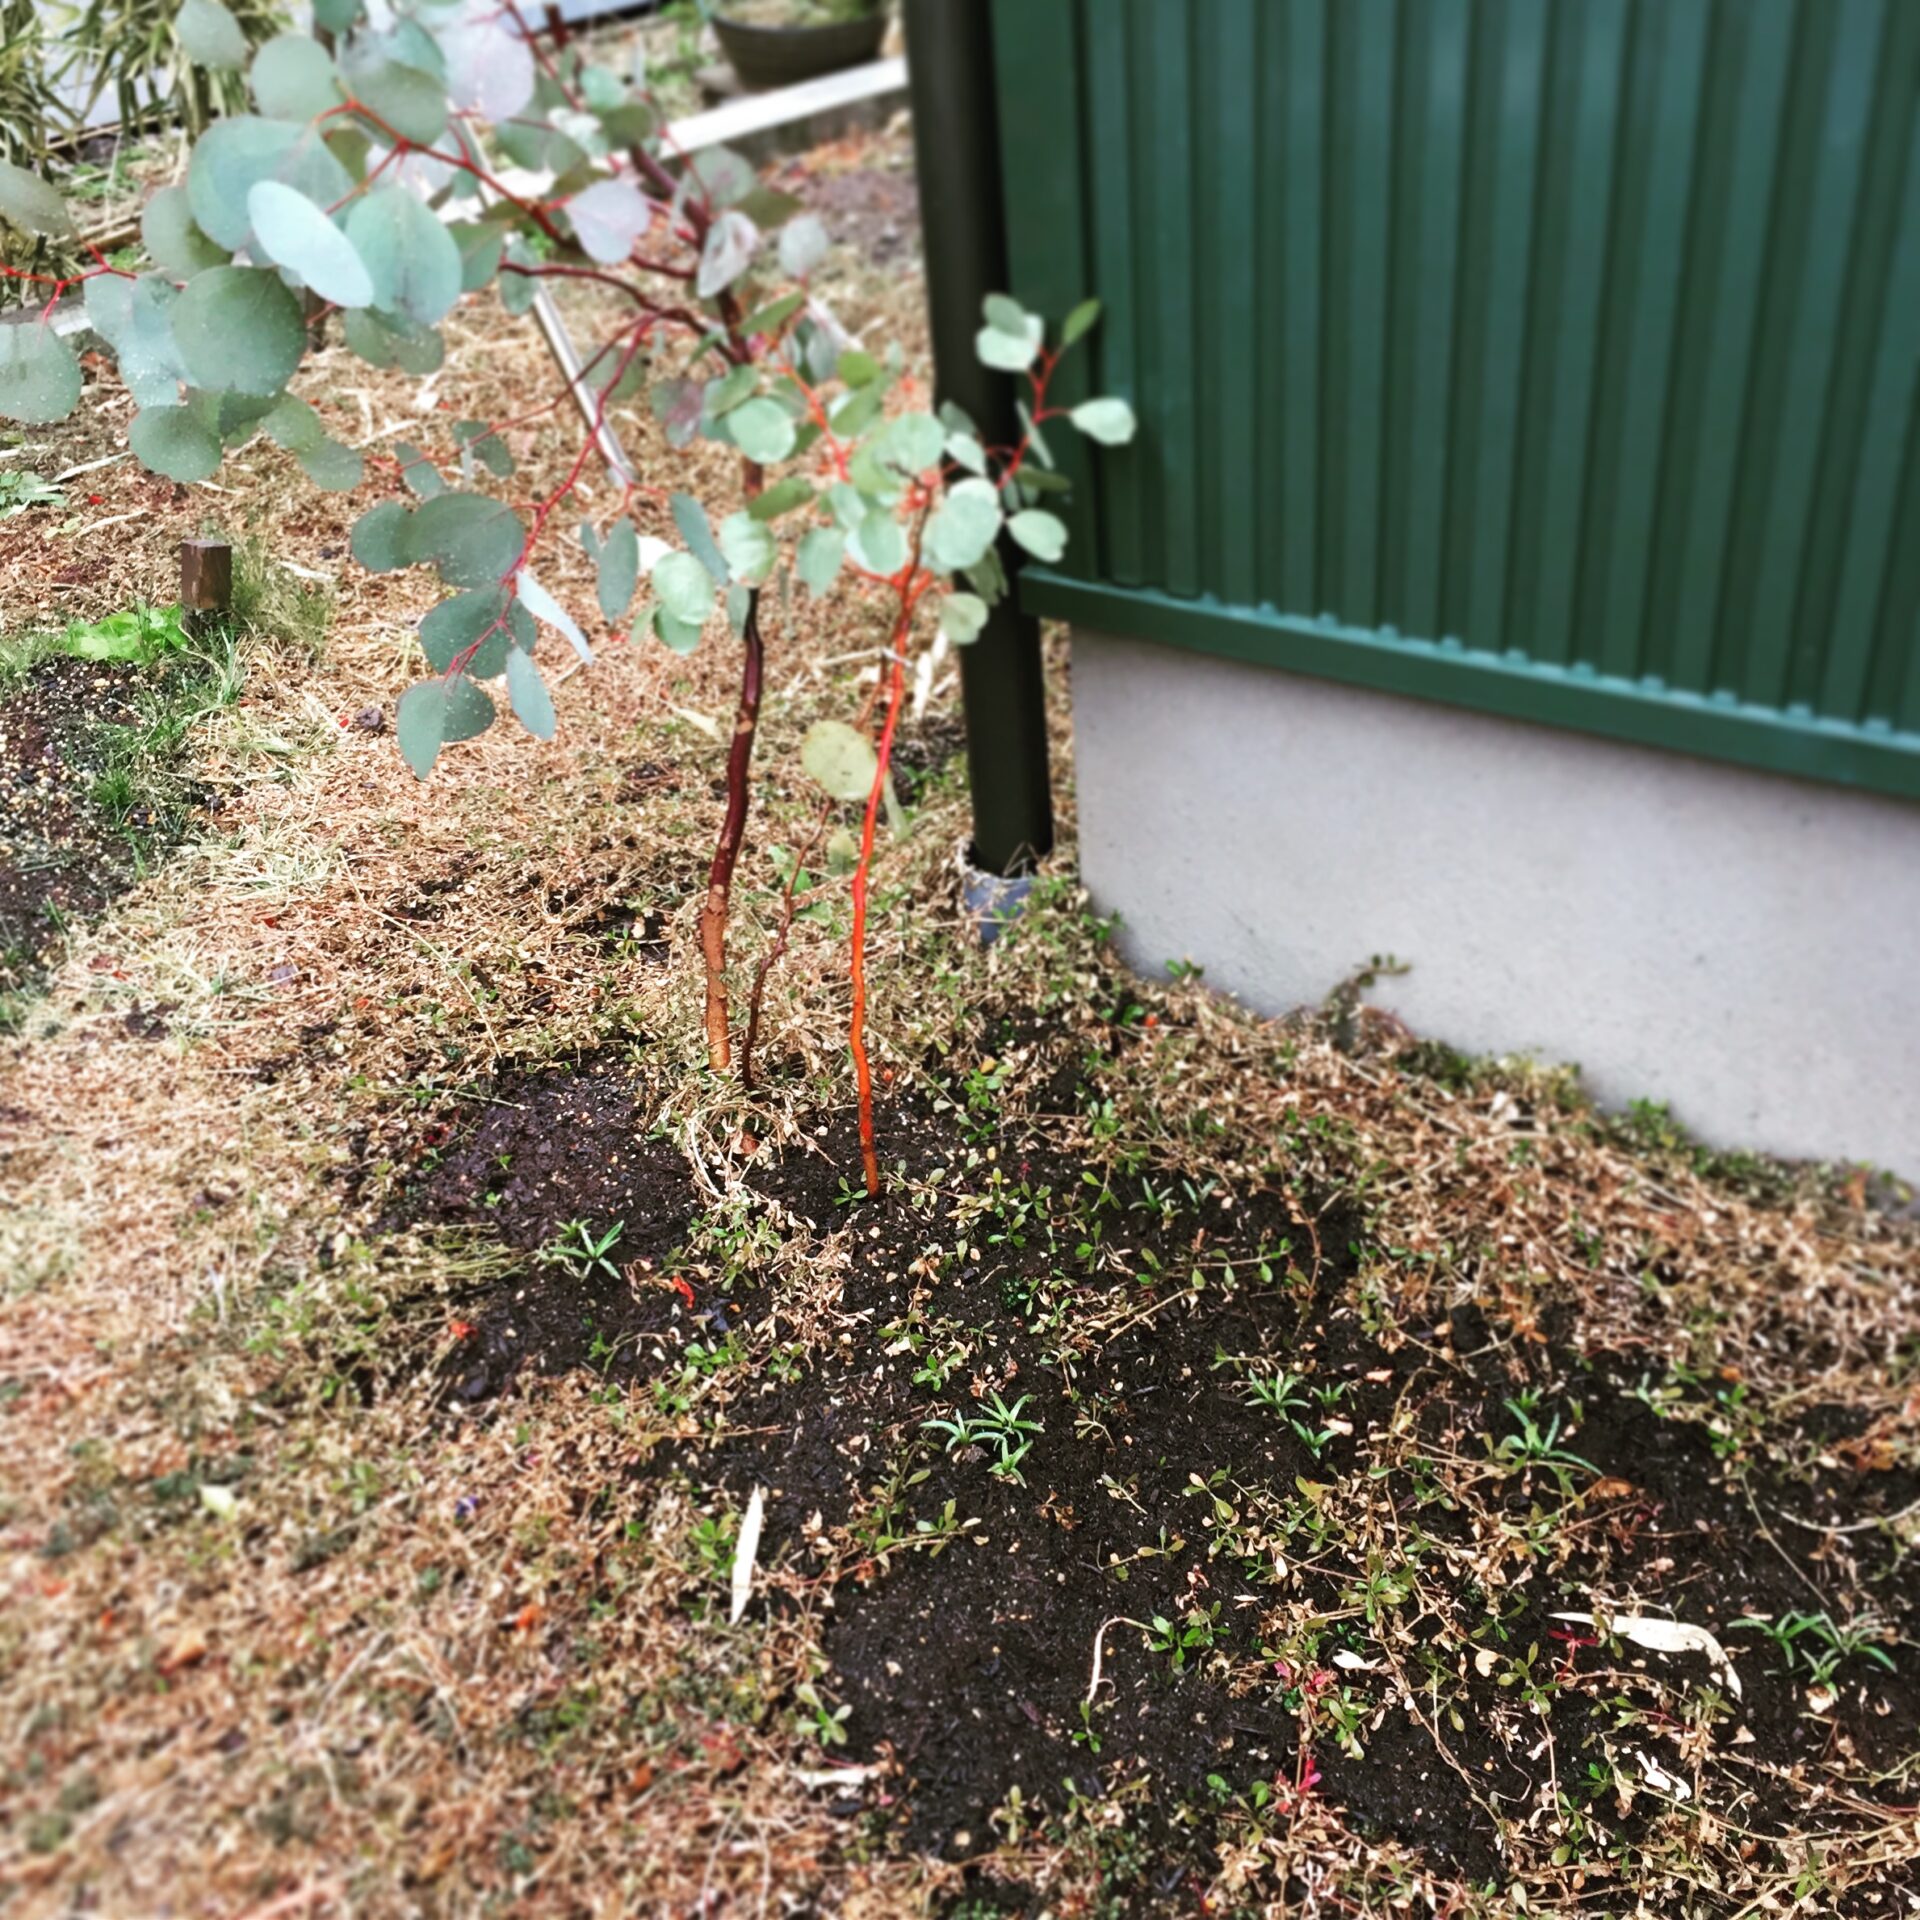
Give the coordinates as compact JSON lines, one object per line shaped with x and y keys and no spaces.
{"x":1583,"y":334}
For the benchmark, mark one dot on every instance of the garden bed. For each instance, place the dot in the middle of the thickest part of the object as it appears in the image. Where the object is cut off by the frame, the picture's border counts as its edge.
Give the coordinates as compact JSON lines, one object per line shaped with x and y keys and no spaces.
{"x":1224,"y":1473}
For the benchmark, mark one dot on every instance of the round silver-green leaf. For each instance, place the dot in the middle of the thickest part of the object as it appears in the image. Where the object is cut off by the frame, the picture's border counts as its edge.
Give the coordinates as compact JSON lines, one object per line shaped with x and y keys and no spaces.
{"x":821,"y":551}
{"x":293,"y":424}
{"x":469,"y":709}
{"x":175,"y":441}
{"x":912,"y":442}
{"x":472,"y":539}
{"x":840,"y":759}
{"x":1108,"y":421}
{"x":618,"y":569}
{"x":1006,"y":315}
{"x":388,"y":341}
{"x":1007,"y":352}
{"x":803,"y":245}
{"x":608,"y":218}
{"x":490,"y":67}
{"x":400,"y":96}
{"x":485,"y":616}
{"x":293,"y":78}
{"x":413,"y":259}
{"x":174,"y":244}
{"x":421,"y":724}
{"x":963,"y":526}
{"x":382,"y":538}
{"x":762,"y":429}
{"x":962,"y":615}
{"x":482,"y":245}
{"x":683,"y":587}
{"x":697,"y":531}
{"x":135,"y":318}
{"x":532,"y":703}
{"x":727,"y":254}
{"x":331,"y":467}
{"x":748,"y":547}
{"x":236,"y":152}
{"x":877,"y":544}
{"x":39,"y":377}
{"x":239,"y":330}
{"x":209,"y":35}
{"x":28,"y":202}
{"x":1043,"y":535}
{"x":677,"y":636}
{"x":293,"y":233}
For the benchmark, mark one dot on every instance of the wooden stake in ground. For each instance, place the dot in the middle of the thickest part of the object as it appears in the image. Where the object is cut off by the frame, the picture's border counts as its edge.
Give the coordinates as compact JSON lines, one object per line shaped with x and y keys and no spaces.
{"x":206,"y":581}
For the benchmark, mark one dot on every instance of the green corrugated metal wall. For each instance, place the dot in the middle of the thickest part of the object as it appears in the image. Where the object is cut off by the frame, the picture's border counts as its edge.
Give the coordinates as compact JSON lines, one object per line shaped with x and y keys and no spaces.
{"x":1559,"y":358}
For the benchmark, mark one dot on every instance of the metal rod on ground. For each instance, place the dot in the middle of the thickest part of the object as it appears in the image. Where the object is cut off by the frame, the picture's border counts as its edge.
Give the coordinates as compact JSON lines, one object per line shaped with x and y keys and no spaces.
{"x":206,"y":581}
{"x":566,"y":357}
{"x":957,"y":153}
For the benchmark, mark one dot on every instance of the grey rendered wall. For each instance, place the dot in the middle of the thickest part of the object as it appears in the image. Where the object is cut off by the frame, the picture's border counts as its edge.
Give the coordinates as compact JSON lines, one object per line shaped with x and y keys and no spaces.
{"x":1743,"y":946}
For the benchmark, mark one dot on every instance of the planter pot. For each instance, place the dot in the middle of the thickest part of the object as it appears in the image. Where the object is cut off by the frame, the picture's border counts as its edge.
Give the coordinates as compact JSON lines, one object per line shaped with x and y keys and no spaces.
{"x":782,"y":56}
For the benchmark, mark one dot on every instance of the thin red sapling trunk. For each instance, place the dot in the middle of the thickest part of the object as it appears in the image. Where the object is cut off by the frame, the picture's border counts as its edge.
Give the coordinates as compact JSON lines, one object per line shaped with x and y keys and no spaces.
{"x":896,"y":693}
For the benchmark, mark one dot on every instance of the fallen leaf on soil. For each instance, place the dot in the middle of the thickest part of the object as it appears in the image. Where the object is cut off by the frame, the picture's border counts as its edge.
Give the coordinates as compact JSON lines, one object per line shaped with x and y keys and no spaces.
{"x":1663,"y":1636}
{"x":188,"y":1650}
{"x":1661,"y":1781}
{"x":745,"y":1552}
{"x":834,"y":1776}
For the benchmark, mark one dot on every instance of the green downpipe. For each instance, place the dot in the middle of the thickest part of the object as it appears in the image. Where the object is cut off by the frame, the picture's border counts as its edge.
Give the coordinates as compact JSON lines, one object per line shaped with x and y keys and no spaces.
{"x":957,"y":152}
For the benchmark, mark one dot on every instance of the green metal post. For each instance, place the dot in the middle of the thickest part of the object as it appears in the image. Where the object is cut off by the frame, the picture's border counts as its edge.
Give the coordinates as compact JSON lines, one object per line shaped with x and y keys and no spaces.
{"x":957,"y":152}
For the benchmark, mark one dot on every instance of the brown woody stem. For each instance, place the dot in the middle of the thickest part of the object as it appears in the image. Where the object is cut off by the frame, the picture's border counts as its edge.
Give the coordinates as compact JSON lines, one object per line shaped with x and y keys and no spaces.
{"x":713,"y":916}
{"x":778,"y":945}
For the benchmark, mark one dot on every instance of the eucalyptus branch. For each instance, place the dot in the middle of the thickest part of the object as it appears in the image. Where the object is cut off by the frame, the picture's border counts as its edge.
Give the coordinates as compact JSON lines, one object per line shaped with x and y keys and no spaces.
{"x":846,"y":479}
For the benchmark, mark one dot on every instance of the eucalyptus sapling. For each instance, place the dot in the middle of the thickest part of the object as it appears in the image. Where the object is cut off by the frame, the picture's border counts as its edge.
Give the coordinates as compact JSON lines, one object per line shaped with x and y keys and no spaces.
{"x":432,"y":151}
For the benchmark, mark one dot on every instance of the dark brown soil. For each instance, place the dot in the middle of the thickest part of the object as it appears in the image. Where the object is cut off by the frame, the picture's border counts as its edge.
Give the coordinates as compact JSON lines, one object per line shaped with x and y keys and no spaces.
{"x":873,"y":210}
{"x":552,"y":1150}
{"x":967,"y":1668}
{"x":60,"y":855}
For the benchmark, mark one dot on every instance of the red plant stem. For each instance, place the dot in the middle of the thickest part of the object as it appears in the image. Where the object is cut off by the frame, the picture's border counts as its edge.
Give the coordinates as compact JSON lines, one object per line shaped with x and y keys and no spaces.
{"x":543,"y":512}
{"x":778,"y":946}
{"x":560,"y":270}
{"x":856,"y":1031}
{"x":531,"y":35}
